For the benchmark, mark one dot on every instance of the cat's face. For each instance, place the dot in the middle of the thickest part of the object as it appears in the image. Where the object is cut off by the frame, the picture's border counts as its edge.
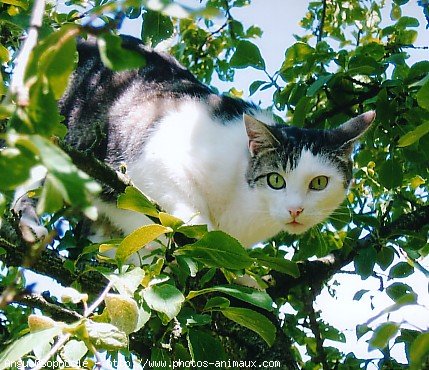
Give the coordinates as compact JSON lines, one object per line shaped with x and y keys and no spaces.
{"x":301,"y":175}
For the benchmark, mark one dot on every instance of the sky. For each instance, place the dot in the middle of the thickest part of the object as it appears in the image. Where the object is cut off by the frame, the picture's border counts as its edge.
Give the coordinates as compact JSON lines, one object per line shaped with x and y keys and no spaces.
{"x":279,"y":19}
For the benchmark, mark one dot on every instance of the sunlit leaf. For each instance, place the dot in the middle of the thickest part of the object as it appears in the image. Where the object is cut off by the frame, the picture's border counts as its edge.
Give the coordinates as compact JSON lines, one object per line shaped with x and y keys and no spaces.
{"x":134,"y":200}
{"x":116,"y":57}
{"x":164,"y":298}
{"x":217,"y":249}
{"x":247,"y":55}
{"x":256,"y":297}
{"x":138,"y":239}
{"x":25,"y":344}
{"x":383,"y":334}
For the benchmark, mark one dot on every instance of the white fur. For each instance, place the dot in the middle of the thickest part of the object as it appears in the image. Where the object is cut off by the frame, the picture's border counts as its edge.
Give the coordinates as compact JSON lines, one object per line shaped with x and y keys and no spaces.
{"x":194,"y":167}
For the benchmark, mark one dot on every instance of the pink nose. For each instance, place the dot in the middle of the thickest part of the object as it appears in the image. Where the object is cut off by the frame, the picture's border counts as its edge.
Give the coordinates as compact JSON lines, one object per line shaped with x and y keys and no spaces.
{"x":295,"y":212}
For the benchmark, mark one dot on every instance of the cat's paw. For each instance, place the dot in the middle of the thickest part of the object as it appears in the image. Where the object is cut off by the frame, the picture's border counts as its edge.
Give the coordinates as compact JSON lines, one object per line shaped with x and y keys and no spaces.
{"x":31,"y":230}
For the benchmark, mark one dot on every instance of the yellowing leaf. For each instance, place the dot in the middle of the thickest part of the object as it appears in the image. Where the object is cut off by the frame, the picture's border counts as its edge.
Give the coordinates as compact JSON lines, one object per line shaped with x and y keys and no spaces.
{"x":169,"y":220}
{"x":123,"y":312}
{"x":417,"y":181}
{"x":413,"y":136}
{"x":419,"y":350}
{"x":138,"y":239}
{"x":134,"y":200}
{"x":39,"y":322}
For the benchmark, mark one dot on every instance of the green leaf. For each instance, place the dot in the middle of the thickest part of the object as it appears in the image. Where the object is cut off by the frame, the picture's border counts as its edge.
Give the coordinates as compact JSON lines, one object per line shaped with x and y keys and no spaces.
{"x":256,"y":297}
{"x":401,"y":270}
{"x":74,"y":185}
{"x":216,"y":302}
{"x":314,"y":88}
{"x":106,"y":336}
{"x":277,"y":263}
{"x":20,"y":3}
{"x":419,"y":351}
{"x":400,"y":2}
{"x":134,"y":200}
{"x":17,"y":165}
{"x":193,"y":231}
{"x":189,"y":317}
{"x":205,"y":347}
{"x":156,"y":28}
{"x":396,"y":290}
{"x":51,"y":198}
{"x":4,"y":54}
{"x":71,"y":295}
{"x":25,"y":344}
{"x":217,"y":249}
{"x":247,"y":55}
{"x":74,"y":350}
{"x":383,"y":334}
{"x":405,"y":22}
{"x":301,"y":111}
{"x":361,"y":330}
{"x":164,"y":298}
{"x":364,"y":262}
{"x":127,"y":284}
{"x":170,"y":221}
{"x":138,"y":239}
{"x":160,"y":359}
{"x":298,"y":52}
{"x":358,"y":295}
{"x":390,"y":174}
{"x":43,"y":111}
{"x":123,"y":312}
{"x":117,"y":58}
{"x":254,"y":86}
{"x":253,"y":321}
{"x":55,"y":57}
{"x":422,"y":96}
{"x":385,"y":257}
{"x":404,"y":300}
{"x":413,"y":136}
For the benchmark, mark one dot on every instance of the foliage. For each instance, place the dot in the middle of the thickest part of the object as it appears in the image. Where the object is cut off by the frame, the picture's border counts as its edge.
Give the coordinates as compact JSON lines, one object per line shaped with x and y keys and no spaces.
{"x":183,"y":306}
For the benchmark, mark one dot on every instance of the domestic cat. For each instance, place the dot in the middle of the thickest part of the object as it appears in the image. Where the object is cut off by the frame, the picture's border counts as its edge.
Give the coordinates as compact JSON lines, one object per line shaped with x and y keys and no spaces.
{"x":205,"y":158}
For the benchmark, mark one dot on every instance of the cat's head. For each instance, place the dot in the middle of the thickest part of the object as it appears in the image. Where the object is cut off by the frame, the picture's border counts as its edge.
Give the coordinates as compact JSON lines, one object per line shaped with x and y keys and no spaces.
{"x":302,"y":175}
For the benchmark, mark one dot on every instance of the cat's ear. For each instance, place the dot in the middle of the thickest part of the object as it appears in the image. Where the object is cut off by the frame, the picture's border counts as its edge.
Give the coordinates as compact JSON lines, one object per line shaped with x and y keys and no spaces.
{"x":350,"y":131}
{"x":259,"y":134}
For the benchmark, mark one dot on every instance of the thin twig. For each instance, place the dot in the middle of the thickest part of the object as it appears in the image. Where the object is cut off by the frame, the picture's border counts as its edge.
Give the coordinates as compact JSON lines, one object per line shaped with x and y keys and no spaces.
{"x":17,"y":85}
{"x":322,"y":22}
{"x":315,"y":328}
{"x":62,"y":340}
{"x":98,"y":301}
{"x":58,"y":345}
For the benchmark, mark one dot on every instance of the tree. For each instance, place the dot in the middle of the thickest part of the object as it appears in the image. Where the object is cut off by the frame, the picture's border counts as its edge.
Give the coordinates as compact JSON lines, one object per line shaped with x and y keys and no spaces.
{"x":183,"y":308}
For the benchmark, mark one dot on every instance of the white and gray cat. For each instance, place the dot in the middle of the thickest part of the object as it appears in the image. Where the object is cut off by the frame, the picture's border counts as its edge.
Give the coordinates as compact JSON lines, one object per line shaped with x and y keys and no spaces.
{"x":205,"y":158}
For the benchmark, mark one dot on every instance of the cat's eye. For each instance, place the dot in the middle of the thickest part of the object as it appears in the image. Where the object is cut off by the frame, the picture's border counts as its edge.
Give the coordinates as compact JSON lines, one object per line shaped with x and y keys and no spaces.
{"x":276,"y":181}
{"x":319,"y":183}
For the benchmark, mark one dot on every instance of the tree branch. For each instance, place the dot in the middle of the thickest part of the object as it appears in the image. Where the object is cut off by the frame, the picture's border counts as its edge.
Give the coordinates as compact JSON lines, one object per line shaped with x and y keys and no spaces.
{"x":17,"y":85}
{"x":320,"y":116}
{"x":315,"y":273}
{"x":322,"y":22}
{"x":55,"y":310}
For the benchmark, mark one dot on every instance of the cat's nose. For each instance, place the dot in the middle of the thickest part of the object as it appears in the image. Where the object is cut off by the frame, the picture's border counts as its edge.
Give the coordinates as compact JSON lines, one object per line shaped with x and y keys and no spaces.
{"x":295,"y":212}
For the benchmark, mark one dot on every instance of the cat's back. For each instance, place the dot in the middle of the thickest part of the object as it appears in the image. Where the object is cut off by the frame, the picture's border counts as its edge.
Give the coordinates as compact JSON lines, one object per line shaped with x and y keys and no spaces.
{"x":112,"y":113}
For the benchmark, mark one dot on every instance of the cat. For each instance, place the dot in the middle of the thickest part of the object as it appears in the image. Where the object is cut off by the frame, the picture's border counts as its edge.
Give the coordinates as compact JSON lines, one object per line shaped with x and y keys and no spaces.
{"x":205,"y":158}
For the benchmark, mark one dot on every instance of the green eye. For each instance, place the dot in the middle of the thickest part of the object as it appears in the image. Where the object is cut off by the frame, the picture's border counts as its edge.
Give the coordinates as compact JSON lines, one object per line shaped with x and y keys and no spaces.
{"x":319,"y":183}
{"x":276,"y":181}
